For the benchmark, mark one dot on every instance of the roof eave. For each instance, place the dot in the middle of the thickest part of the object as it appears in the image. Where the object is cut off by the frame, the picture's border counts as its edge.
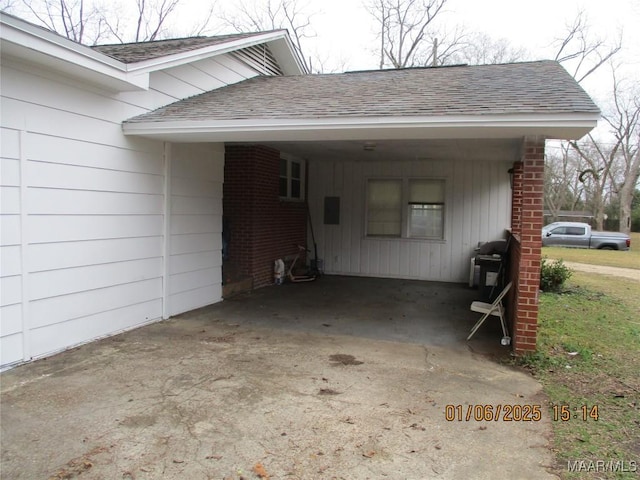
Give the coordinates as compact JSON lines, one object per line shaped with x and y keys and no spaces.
{"x":552,"y":126}
{"x":37,"y":45}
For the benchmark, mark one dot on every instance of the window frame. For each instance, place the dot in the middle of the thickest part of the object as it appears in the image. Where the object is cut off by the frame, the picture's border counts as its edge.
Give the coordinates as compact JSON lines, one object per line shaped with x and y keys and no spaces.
{"x":290,"y":159}
{"x":405,"y":208}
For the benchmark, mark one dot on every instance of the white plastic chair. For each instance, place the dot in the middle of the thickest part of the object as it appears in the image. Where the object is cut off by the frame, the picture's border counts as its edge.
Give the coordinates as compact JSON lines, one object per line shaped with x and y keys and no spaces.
{"x":495,"y":309}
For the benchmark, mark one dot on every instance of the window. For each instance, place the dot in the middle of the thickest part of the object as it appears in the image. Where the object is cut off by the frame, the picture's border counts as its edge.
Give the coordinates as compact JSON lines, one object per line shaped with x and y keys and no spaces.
{"x":569,"y":231}
{"x":424,"y":213}
{"x":425,"y":216}
{"x":291,"y":185}
{"x":384,"y":202}
{"x":576,"y":230}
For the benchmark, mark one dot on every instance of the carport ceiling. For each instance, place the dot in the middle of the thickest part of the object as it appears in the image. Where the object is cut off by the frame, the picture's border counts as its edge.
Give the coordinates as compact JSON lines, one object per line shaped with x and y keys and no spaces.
{"x":373,"y":150}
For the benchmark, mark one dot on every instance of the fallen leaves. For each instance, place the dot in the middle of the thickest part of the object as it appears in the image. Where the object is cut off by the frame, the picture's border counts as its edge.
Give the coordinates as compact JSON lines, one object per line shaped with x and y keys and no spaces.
{"x":260,"y":471}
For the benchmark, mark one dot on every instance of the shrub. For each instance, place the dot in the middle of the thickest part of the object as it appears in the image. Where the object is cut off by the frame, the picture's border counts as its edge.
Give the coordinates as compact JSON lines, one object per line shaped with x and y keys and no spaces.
{"x":553,"y":275}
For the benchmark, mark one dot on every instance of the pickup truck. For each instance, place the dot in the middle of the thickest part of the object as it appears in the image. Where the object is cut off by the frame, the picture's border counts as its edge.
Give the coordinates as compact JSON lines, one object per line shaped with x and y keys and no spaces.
{"x":580,"y":235}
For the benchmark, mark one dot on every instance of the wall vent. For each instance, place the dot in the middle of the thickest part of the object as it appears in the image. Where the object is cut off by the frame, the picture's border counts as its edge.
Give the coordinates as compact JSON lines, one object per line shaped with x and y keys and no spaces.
{"x":260,"y":58}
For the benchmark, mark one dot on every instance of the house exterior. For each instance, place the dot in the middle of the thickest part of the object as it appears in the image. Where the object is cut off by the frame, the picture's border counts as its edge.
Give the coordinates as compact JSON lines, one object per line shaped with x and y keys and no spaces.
{"x":132,"y":173}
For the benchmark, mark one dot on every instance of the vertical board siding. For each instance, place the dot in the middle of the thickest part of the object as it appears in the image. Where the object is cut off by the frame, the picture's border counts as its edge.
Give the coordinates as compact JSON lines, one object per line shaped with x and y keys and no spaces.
{"x":195,"y":226}
{"x":477,"y":209}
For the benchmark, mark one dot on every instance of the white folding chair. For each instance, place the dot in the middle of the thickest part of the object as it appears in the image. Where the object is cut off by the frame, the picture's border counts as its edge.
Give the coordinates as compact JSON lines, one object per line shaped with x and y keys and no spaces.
{"x":495,"y":309}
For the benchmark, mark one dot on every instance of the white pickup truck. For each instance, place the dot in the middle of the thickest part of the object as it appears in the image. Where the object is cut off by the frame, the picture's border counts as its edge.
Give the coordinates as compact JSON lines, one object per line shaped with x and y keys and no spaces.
{"x":579,"y":235}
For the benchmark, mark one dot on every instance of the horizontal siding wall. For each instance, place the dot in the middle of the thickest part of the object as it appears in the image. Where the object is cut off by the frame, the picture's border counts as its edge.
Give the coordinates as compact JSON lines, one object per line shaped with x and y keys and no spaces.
{"x":176,"y":83}
{"x":195,"y":226}
{"x":82,"y":220}
{"x":477,"y":208}
{"x":11,"y":327}
{"x":84,"y":235}
{"x":91,"y":243}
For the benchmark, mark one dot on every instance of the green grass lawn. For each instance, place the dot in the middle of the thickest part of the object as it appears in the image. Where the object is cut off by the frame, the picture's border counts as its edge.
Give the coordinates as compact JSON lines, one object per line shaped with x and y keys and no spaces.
{"x":589,"y":354}
{"x":611,"y":258}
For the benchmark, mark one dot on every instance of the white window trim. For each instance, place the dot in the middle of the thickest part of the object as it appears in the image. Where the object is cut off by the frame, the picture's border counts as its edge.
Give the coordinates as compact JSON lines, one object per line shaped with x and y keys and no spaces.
{"x":303,"y":171}
{"x":404,"y":230}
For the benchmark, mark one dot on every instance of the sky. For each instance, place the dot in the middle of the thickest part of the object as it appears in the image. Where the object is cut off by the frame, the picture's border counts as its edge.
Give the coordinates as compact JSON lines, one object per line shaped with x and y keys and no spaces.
{"x":345,"y":31}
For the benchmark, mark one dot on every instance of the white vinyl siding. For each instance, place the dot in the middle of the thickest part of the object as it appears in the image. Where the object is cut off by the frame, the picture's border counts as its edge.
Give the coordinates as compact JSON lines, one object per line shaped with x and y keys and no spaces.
{"x":83,"y":224}
{"x":90,"y":247}
{"x":175,"y":83}
{"x":11,"y":337}
{"x":477,"y":198}
{"x":195,"y":243}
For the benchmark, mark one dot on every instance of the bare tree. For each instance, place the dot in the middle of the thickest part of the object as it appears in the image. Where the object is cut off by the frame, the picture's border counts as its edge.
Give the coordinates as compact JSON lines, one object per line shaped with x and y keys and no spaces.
{"x":600,"y":159}
{"x":275,"y":15}
{"x":7,"y":5}
{"x":150,"y":20}
{"x":613,"y":166}
{"x":77,"y":20}
{"x":623,"y":123}
{"x":85,"y":21}
{"x":581,"y":52}
{"x":481,"y":49}
{"x":562,"y":188}
{"x":408,"y":37}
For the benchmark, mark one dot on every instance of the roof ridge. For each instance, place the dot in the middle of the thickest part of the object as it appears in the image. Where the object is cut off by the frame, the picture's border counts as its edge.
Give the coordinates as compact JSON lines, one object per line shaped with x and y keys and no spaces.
{"x":140,"y":51}
{"x":455,"y":65}
{"x":193,"y":37}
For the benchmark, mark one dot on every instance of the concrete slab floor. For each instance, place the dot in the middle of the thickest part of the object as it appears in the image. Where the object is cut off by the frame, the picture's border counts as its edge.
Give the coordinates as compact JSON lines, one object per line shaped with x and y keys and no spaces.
{"x":343,"y":378}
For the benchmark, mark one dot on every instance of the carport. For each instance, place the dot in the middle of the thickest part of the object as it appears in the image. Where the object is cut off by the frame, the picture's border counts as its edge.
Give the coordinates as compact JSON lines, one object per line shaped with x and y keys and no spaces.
{"x":341,"y":378}
{"x":124,"y":165}
{"x":459,"y":148}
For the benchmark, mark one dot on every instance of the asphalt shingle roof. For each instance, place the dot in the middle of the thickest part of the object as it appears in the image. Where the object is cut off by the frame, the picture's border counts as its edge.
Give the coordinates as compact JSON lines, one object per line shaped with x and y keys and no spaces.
{"x":138,"y":52}
{"x":517,"y":88}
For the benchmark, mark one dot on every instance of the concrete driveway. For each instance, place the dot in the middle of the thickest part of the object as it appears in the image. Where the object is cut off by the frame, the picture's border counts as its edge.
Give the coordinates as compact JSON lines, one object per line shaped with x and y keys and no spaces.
{"x":343,"y":378}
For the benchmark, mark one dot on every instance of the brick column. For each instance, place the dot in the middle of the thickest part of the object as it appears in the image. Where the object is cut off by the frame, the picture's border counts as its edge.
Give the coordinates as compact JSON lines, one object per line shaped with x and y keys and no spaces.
{"x":516,"y":198}
{"x":262,"y":227}
{"x":528,"y":193}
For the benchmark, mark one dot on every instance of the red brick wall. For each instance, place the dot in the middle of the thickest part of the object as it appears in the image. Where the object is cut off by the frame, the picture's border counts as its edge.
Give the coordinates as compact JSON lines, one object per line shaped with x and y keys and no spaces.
{"x":262,"y":227}
{"x":516,"y":202}
{"x":526,"y":257}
